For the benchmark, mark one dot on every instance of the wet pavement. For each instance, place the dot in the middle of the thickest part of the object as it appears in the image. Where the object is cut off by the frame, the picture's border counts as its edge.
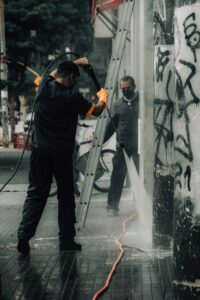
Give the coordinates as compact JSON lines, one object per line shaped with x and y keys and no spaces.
{"x":48,"y":274}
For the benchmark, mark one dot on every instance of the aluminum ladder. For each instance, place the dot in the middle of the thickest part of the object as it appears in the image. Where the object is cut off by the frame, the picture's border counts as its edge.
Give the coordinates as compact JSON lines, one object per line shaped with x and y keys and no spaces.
{"x":111,"y":79}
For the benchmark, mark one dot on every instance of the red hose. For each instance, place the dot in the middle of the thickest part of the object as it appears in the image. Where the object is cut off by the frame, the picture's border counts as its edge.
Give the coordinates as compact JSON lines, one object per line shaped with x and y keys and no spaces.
{"x":114,"y":266}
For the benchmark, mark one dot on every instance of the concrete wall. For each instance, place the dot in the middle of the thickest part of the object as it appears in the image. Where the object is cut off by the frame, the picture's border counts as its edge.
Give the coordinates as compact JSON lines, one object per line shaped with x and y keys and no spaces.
{"x":187,"y":145}
{"x":102,"y":25}
{"x":146,"y":90}
{"x":176,"y":125}
{"x":164,"y":101}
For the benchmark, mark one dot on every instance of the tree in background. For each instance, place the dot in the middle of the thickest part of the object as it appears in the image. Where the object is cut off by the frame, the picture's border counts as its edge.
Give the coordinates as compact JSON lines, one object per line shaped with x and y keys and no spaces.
{"x":36,"y":29}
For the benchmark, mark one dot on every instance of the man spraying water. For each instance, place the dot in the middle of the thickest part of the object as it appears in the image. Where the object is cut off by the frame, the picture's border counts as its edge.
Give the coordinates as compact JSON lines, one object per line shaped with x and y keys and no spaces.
{"x":55,"y":121}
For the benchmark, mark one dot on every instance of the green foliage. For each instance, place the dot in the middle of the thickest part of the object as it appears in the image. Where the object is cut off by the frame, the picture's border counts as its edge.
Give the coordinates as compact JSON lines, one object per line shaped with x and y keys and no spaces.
{"x":36,"y":29}
{"x":56,"y":25}
{"x":3,"y":84}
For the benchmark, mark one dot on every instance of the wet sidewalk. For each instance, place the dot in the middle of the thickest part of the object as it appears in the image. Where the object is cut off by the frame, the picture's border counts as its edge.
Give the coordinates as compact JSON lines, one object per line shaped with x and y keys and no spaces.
{"x":47,"y":274}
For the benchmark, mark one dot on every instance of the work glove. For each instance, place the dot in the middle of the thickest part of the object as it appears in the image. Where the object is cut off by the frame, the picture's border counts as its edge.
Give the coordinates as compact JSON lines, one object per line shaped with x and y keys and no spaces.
{"x":103,"y":96}
{"x":37,"y":80}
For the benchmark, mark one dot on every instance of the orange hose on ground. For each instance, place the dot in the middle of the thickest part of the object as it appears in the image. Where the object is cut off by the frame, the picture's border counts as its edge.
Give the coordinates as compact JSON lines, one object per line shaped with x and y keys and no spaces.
{"x":114,"y":266}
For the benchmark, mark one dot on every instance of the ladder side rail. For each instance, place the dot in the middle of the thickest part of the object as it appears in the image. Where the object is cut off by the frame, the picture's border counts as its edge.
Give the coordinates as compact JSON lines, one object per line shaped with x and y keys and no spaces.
{"x":93,"y":161}
{"x":89,"y":178}
{"x":116,"y":47}
{"x":91,"y":166}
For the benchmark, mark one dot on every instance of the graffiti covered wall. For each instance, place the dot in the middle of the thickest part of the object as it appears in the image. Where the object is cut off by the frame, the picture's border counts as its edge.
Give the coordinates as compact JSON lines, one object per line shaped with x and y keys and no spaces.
{"x":164,"y":102}
{"x":187,"y":117}
{"x":187,"y":143}
{"x":164,"y":138}
{"x":164,"y":105}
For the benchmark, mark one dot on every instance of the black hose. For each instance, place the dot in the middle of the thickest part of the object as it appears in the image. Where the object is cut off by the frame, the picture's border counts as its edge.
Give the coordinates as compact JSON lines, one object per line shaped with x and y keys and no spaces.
{"x":88,"y":69}
{"x":32,"y":113}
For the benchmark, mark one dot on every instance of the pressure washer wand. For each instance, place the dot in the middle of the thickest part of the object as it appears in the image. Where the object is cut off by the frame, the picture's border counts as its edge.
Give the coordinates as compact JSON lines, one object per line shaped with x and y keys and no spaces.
{"x":89,"y":70}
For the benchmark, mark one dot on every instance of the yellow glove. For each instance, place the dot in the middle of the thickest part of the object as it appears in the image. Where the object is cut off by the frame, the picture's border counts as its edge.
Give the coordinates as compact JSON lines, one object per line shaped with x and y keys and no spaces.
{"x":103,"y":96}
{"x":37,"y":80}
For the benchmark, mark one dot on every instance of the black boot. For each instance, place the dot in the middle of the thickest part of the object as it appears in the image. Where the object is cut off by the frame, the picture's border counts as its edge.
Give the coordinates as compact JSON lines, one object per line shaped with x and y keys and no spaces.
{"x":23,"y":246}
{"x":70,"y":246}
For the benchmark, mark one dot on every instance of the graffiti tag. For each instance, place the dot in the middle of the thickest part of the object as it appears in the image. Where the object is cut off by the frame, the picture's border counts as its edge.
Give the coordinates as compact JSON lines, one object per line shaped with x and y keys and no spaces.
{"x":163,"y":106}
{"x":163,"y":59}
{"x":192,"y":35}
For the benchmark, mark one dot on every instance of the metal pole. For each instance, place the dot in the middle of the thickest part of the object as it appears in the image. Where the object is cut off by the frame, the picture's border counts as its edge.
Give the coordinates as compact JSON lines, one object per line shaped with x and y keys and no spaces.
{"x":3,"y":77}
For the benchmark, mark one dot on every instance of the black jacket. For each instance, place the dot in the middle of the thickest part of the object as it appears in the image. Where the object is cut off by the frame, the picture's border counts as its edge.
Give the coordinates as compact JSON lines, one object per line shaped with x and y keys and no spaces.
{"x":56,"y":115}
{"x":125,"y":119}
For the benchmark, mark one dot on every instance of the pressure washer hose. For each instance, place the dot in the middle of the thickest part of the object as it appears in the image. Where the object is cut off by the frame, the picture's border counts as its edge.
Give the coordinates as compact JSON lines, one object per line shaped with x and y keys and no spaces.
{"x":118,"y":259}
{"x":32,"y":113}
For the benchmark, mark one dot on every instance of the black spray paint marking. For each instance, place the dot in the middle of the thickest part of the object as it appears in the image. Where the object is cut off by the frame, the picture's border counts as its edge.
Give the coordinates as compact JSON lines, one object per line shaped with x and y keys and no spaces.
{"x":178,"y":173}
{"x":163,"y":109}
{"x":163,"y":129}
{"x":163,"y":59}
{"x":183,"y":106}
{"x":192,"y":35}
{"x":187,"y":177}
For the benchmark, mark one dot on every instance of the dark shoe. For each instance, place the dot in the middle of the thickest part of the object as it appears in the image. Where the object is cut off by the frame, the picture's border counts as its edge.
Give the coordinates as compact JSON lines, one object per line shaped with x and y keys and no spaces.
{"x":23,"y":246}
{"x":71,"y":246}
{"x":111,"y":207}
{"x":112,"y":211}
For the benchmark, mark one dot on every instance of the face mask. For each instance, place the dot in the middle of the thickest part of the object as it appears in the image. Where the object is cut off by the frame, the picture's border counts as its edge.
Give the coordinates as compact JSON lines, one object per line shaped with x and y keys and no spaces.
{"x":128,"y":93}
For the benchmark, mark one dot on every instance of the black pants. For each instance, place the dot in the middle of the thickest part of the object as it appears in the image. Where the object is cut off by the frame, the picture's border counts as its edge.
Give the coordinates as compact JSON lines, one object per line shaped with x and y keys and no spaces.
{"x":118,"y":176}
{"x":75,"y":169}
{"x":42,"y":167}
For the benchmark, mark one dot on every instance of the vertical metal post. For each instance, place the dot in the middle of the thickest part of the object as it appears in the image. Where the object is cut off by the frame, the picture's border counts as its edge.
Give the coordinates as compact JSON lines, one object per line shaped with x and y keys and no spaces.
{"x":3,"y":77}
{"x":141,"y":89}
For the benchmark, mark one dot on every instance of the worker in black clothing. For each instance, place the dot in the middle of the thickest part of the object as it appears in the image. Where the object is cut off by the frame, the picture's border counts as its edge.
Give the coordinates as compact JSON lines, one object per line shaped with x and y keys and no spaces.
{"x":125,"y":114}
{"x":53,"y":140}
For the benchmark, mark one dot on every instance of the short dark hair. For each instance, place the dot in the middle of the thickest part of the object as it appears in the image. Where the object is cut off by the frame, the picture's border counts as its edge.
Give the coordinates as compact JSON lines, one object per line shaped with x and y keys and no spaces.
{"x":67,"y":68}
{"x":129,"y":78}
